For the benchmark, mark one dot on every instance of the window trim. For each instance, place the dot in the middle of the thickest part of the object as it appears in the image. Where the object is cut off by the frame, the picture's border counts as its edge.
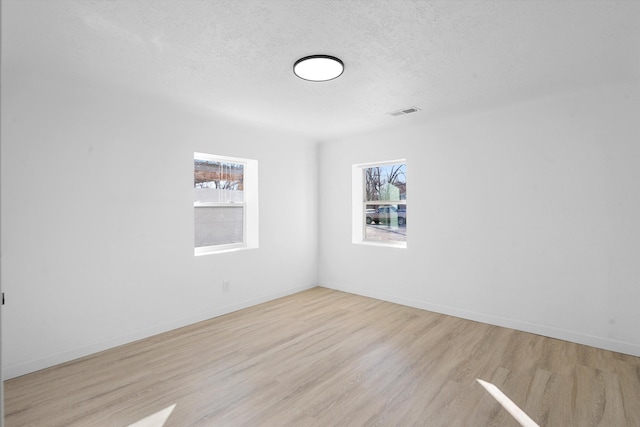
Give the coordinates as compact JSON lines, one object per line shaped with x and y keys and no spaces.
{"x":358,"y":205}
{"x":249,"y":206}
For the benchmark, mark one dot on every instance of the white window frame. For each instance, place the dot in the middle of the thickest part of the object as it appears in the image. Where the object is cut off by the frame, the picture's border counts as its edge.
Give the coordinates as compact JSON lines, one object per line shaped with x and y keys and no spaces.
{"x":249,"y":205}
{"x":359,"y":203}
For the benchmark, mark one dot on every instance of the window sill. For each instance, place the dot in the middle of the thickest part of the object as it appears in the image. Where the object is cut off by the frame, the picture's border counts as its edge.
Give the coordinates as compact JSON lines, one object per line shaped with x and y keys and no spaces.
{"x":211,"y":250}
{"x":398,"y":245}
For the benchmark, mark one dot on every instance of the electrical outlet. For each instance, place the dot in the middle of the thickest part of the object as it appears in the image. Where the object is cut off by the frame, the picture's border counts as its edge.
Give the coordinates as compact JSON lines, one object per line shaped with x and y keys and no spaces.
{"x":226,"y":286}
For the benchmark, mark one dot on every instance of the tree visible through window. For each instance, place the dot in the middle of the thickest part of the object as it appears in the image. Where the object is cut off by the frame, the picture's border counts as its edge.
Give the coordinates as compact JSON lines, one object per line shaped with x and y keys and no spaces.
{"x":219,"y":203}
{"x":385,"y":203}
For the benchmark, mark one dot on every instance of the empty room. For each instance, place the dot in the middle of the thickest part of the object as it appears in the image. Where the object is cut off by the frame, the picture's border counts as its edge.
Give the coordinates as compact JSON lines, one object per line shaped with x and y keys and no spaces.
{"x":320,"y":213}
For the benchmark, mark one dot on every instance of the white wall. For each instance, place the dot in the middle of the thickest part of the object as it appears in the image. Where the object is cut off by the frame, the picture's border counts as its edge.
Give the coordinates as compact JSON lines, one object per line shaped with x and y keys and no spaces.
{"x":97,"y":218}
{"x":526,"y":217}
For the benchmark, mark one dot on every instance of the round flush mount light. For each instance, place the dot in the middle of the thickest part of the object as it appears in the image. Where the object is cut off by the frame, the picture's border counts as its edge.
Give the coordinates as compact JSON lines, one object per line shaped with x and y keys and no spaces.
{"x":318,"y":68}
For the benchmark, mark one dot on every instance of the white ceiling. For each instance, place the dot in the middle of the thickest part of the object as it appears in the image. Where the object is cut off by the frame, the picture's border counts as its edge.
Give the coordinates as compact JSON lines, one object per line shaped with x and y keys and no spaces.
{"x":235,"y":57}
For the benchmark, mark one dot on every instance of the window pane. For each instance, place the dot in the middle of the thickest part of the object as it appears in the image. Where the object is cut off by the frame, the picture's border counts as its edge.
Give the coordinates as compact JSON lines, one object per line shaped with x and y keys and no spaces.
{"x":216,"y":181}
{"x":385,"y":223}
{"x":385,"y":182}
{"x":218,"y":225}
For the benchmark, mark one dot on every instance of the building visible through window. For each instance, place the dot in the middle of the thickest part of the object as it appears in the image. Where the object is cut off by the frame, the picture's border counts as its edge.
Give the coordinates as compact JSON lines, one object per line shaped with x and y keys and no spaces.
{"x":220,"y":204}
{"x":384,"y":218}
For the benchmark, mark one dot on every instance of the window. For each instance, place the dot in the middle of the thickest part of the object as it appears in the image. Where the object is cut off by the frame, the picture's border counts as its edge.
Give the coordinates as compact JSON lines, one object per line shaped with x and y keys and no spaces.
{"x":380,"y":203}
{"x":225,"y":203}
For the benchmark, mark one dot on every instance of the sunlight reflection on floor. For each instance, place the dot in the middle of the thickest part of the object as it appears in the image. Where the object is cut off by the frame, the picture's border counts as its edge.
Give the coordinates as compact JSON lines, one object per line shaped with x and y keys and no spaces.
{"x":508,"y":404}
{"x":155,"y":420}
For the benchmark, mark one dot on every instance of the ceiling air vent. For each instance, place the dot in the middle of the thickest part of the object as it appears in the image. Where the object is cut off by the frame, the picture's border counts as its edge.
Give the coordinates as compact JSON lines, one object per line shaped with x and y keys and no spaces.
{"x":403,"y":111}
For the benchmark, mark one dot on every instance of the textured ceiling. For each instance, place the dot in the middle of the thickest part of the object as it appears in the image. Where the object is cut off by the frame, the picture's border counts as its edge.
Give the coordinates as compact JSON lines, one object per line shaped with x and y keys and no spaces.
{"x":235,"y":57}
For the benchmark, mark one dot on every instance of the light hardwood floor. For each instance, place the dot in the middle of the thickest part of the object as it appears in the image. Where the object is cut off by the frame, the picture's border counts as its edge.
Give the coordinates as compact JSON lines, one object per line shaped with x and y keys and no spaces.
{"x":328,"y":358}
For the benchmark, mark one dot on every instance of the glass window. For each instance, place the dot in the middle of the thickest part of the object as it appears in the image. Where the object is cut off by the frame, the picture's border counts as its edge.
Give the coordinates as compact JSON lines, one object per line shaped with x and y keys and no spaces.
{"x":219,"y":203}
{"x":216,"y":225}
{"x":384,"y":203}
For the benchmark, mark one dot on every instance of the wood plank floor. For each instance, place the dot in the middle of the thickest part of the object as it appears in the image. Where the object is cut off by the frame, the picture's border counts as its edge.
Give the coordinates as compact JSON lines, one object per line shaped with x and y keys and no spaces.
{"x":328,"y":358}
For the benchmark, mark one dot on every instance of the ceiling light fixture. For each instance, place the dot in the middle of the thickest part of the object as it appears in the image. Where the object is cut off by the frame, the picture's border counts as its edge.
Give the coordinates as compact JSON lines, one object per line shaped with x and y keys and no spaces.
{"x":318,"y":68}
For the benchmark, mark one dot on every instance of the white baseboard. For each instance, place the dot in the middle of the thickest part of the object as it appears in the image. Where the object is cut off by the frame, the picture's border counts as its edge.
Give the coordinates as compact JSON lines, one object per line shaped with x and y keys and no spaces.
{"x":56,"y":359}
{"x":547,"y":331}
